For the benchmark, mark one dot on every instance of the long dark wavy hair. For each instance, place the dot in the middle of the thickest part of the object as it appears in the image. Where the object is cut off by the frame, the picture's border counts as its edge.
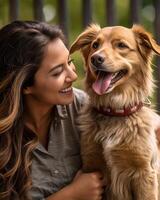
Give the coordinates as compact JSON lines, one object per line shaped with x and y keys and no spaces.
{"x":22,"y":46}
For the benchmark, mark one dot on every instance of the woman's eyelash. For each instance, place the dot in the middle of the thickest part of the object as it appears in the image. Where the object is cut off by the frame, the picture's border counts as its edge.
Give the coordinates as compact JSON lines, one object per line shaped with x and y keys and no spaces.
{"x":56,"y":74}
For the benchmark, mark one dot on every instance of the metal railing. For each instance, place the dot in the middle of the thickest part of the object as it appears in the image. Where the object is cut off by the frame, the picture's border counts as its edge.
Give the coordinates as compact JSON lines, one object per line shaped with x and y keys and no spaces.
{"x":111,"y":19}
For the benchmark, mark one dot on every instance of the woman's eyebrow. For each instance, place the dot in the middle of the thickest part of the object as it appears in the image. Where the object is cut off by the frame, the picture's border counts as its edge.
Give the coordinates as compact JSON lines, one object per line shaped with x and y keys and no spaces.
{"x":57,"y":66}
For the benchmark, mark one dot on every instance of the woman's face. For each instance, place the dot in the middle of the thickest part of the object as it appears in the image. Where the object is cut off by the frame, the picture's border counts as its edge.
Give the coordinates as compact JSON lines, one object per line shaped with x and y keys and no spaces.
{"x":53,"y":80}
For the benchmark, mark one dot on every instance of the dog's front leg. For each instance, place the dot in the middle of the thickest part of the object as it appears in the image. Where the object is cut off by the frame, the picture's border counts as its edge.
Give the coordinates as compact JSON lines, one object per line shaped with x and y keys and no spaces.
{"x":145,"y":185}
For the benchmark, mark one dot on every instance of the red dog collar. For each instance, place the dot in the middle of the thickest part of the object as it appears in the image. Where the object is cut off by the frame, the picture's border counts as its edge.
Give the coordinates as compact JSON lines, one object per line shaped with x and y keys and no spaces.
{"x":120,"y":112}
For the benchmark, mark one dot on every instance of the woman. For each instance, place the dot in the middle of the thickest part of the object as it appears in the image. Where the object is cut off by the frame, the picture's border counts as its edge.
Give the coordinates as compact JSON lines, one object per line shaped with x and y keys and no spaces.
{"x":39,"y":142}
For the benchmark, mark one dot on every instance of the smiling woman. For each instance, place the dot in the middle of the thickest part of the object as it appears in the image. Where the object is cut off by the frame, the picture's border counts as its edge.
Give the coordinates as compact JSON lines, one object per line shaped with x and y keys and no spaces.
{"x":53,"y":80}
{"x":39,"y":139}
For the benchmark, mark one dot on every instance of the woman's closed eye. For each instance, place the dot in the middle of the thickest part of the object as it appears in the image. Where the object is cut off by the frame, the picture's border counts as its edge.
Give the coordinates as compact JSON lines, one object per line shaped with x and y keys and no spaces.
{"x":57,"y":71}
{"x":60,"y":68}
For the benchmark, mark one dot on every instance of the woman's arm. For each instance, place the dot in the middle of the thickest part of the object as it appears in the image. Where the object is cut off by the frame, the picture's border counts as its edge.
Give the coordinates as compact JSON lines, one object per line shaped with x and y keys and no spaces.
{"x":84,"y":186}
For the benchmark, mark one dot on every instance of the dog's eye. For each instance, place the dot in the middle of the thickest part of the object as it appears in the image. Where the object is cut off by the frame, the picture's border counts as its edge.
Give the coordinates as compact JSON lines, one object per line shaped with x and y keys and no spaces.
{"x":95,"y":45}
{"x":122,"y":45}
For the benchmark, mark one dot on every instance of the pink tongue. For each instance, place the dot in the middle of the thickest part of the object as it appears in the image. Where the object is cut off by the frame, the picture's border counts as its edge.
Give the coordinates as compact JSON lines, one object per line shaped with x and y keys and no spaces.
{"x":102,"y":83}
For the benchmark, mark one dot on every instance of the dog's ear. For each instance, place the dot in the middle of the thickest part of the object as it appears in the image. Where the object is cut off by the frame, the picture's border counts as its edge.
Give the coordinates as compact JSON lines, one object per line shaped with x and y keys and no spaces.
{"x":85,"y":38}
{"x":145,"y":41}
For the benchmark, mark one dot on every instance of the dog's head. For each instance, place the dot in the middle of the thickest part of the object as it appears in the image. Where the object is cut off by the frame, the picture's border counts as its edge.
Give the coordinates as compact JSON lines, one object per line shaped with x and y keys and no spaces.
{"x":117,"y":62}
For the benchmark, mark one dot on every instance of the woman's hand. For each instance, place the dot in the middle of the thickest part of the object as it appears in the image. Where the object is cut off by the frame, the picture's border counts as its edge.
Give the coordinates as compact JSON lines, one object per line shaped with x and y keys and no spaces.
{"x":88,"y":186}
{"x":85,"y":186}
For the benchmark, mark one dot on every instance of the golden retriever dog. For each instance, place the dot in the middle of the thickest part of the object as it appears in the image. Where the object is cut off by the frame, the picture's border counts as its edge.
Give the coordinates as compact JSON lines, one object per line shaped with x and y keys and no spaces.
{"x":118,"y":126}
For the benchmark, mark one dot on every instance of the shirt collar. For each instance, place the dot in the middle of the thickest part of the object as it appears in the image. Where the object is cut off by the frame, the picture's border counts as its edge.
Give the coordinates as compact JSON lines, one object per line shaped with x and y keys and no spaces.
{"x":62,"y":111}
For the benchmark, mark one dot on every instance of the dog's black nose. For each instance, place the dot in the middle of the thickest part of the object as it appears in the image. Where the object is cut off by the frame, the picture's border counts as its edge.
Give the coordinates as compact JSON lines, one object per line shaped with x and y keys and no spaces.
{"x":97,"y":60}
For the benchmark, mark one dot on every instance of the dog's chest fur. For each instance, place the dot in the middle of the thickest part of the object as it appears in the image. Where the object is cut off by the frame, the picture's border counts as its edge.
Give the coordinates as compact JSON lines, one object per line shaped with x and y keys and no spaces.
{"x":127,"y":144}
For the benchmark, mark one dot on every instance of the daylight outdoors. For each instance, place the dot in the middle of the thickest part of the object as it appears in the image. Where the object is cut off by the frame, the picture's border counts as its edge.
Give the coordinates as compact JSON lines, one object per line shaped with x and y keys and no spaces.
{"x":74,"y":21}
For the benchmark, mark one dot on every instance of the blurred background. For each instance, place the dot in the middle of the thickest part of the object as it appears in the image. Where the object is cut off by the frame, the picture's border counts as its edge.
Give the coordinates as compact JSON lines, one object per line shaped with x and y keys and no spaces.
{"x":74,"y":15}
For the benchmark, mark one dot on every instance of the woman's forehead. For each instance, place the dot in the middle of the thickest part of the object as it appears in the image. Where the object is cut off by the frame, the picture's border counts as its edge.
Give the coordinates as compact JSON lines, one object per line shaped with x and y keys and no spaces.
{"x":55,"y":54}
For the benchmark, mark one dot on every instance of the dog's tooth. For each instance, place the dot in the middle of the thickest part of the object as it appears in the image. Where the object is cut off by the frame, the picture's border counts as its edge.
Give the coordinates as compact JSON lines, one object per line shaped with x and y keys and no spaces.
{"x":115,"y":74}
{"x":119,"y":111}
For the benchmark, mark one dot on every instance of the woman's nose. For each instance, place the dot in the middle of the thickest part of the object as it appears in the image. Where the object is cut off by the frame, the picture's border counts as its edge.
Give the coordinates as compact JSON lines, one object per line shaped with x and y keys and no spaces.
{"x":72,"y":75}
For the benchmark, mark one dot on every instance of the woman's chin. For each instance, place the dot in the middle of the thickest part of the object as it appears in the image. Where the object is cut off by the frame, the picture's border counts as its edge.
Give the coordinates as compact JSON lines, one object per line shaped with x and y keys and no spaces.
{"x":67,"y":98}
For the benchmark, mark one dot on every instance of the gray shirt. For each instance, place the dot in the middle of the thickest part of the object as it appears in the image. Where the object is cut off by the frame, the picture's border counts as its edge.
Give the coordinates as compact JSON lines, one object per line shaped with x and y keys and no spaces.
{"x":54,"y":168}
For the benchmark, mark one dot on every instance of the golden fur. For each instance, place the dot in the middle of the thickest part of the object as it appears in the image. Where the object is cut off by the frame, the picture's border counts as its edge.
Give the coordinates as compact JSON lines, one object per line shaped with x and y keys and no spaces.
{"x":124,"y":148}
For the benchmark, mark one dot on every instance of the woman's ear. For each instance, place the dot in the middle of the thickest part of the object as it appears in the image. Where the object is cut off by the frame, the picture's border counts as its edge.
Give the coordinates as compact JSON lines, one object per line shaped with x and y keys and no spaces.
{"x":27,"y":90}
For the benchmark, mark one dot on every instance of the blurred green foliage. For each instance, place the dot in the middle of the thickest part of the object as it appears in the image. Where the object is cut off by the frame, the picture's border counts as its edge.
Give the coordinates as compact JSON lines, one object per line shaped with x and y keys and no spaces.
{"x":75,"y":18}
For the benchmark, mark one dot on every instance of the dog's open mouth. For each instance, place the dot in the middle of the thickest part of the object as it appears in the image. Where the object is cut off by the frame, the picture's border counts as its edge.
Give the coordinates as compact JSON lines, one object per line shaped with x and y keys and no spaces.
{"x":106,"y":80}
